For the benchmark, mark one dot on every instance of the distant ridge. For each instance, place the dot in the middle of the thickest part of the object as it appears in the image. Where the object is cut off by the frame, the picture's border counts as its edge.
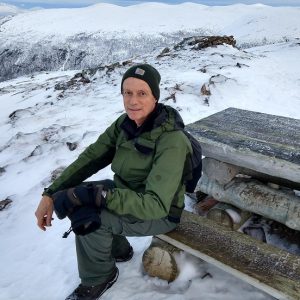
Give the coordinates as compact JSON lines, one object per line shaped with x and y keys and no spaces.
{"x":64,"y":39}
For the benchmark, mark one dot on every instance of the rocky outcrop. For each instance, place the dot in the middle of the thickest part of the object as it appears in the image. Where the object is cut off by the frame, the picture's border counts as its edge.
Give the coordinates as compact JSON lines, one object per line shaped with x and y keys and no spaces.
{"x":202,"y":42}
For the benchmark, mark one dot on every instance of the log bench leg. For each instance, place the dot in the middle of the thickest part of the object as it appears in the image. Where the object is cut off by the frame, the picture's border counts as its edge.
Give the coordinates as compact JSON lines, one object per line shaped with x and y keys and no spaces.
{"x":159,"y":261}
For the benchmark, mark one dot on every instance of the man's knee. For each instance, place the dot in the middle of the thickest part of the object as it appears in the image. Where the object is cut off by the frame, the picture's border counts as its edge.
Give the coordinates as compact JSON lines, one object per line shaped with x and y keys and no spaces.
{"x":111,"y":222}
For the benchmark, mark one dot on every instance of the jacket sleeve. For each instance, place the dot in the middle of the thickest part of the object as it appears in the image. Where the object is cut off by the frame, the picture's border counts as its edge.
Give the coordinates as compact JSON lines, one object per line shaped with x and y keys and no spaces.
{"x":163,"y":181}
{"x":95,"y":157}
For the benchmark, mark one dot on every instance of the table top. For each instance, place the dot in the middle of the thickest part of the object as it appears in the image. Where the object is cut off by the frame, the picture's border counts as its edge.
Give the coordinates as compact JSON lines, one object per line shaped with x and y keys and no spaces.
{"x":259,"y":141}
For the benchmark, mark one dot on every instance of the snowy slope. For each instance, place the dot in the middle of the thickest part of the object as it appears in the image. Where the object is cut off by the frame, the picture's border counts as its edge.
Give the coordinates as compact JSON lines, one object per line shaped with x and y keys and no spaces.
{"x":37,"y":121}
{"x":62,"y":39}
{"x":7,"y":9}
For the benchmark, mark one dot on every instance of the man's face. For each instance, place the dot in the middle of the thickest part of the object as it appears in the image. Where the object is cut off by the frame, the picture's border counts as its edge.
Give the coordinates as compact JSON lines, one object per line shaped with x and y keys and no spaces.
{"x":138,"y":99}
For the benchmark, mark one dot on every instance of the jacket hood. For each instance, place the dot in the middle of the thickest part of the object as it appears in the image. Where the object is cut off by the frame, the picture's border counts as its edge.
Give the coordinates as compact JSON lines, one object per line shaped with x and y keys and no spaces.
{"x":168,"y":117}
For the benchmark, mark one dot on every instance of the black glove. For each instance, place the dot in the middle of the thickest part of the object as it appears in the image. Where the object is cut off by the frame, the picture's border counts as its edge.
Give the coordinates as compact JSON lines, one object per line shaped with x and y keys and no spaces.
{"x":67,"y":200}
{"x":82,"y":204}
{"x":85,"y":219}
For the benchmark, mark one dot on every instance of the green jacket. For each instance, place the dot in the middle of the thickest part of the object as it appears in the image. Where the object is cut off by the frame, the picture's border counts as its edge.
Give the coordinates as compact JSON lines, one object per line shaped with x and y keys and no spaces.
{"x":150,"y":165}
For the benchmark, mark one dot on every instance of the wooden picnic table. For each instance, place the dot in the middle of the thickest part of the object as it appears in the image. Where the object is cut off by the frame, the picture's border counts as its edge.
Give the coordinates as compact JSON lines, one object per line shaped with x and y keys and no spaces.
{"x":267,"y":148}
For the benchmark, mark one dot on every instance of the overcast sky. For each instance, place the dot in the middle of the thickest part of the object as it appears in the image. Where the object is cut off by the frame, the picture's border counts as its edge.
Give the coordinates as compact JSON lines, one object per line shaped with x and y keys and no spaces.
{"x":81,"y":3}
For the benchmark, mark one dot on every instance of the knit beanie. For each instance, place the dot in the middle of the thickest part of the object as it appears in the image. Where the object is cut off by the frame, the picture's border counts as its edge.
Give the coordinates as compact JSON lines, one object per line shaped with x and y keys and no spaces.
{"x":147,"y":73}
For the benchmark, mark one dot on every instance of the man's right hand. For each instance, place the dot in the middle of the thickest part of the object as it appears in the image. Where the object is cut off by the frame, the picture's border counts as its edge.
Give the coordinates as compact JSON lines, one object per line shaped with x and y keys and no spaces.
{"x":44,"y":212}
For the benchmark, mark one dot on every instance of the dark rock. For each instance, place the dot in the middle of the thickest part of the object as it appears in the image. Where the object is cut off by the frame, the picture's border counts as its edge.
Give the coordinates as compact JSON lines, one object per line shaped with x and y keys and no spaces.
{"x":60,"y":96}
{"x":56,"y":173}
{"x":126,"y":63}
{"x":84,"y":80}
{"x":72,"y":146}
{"x":206,"y":101}
{"x":19,"y":113}
{"x":37,"y":151}
{"x":182,"y":43}
{"x":2,"y":170}
{"x":205,"y":90}
{"x":214,"y":41}
{"x":85,"y":76}
{"x":77,"y":75}
{"x":239,"y":65}
{"x":217,"y":79}
{"x":207,"y":274}
{"x":75,"y":81}
{"x":202,"y":42}
{"x":50,"y":133}
{"x":5,"y":203}
{"x":13,"y":115}
{"x":172,"y":96}
{"x":177,"y":87}
{"x":61,"y":86}
{"x":164,"y":52}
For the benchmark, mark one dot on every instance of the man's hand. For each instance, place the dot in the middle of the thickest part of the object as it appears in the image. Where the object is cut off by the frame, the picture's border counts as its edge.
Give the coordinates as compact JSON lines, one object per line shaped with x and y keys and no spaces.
{"x":44,"y":212}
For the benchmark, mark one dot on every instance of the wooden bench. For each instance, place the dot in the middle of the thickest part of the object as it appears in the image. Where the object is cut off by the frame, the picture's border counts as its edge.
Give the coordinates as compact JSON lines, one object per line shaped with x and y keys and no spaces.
{"x":248,"y":157}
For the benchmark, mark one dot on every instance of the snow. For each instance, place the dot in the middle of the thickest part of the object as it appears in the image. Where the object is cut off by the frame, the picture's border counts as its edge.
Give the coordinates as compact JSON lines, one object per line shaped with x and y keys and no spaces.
{"x":6,"y":9}
{"x":153,"y":18}
{"x":42,"y":265}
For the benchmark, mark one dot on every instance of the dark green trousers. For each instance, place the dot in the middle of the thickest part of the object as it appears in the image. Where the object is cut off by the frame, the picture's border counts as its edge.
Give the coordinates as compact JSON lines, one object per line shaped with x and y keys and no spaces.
{"x":96,"y":251}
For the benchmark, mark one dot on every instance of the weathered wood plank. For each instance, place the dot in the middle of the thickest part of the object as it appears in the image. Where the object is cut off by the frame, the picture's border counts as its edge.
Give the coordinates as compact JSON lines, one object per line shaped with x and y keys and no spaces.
{"x":266,"y":267}
{"x":261,"y":142}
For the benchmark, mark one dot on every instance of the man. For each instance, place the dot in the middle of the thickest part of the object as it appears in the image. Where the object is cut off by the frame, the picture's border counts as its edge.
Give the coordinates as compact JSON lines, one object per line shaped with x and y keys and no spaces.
{"x":149,"y":155}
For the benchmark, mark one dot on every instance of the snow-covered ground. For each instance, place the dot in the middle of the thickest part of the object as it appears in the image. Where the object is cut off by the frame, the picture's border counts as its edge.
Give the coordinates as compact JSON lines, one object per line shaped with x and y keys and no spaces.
{"x":37,"y":121}
{"x":6,"y":10}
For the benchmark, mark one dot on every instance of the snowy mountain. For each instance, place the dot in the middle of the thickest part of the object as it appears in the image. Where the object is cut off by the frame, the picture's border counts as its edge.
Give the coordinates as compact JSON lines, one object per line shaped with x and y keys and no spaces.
{"x":8,"y":10}
{"x":63,"y":39}
{"x":48,"y":118}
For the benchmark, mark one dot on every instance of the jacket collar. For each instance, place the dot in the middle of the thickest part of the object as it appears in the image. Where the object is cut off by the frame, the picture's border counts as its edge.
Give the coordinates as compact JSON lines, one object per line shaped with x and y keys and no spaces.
{"x":162,"y":115}
{"x":156,"y":118}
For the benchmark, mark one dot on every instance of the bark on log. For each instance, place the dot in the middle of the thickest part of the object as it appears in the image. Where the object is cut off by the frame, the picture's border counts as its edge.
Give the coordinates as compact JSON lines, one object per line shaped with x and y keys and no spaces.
{"x":266,"y":267}
{"x":158,"y":260}
{"x":256,"y":197}
{"x":225,"y":172}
